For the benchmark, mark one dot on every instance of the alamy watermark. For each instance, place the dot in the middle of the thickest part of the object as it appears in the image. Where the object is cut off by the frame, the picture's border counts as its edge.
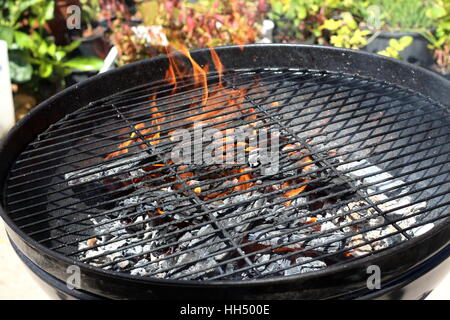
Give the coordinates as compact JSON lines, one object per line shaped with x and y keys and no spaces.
{"x":73,"y":20}
{"x":74,"y":279}
{"x":374,"y":279}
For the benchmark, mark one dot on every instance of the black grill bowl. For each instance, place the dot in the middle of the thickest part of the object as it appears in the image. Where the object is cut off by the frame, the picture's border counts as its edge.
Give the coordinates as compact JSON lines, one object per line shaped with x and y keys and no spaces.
{"x":420,"y":153}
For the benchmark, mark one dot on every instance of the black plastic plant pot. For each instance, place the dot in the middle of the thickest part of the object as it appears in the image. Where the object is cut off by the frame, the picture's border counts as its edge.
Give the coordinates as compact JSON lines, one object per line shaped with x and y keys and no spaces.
{"x":78,"y":76}
{"x":416,"y":53}
{"x":363,"y":108}
{"x":94,"y":46}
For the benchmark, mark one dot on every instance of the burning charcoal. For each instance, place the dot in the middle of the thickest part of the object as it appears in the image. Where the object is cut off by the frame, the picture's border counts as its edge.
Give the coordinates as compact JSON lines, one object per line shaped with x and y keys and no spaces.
{"x":114,"y":228}
{"x":123,"y":264}
{"x":159,"y":265}
{"x":254,"y":158}
{"x":138,"y":272}
{"x":114,"y":245}
{"x":184,"y":240}
{"x":332,"y":240}
{"x":236,"y":223}
{"x":358,"y":214}
{"x":134,"y":206}
{"x":96,"y":258}
{"x":141,"y":262}
{"x":269,"y":238}
{"x":299,"y":202}
{"x":261,"y":258}
{"x":360,"y":249}
{"x":305,"y":266}
{"x":280,"y":227}
{"x":327,"y":225}
{"x":133,"y":225}
{"x":286,"y":218}
{"x":133,"y":251}
{"x":199,"y":269}
{"x":277,"y":265}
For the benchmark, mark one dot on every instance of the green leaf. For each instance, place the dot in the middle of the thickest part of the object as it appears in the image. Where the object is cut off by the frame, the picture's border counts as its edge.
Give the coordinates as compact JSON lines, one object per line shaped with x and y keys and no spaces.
{"x":71,"y":46}
{"x":290,"y":14}
{"x":6,"y":33}
{"x":16,"y":8}
{"x":45,"y":70}
{"x":85,"y":63}
{"x":20,"y":69}
{"x":23,"y":40}
{"x":42,"y":49}
{"x":49,"y":10}
{"x":406,"y":41}
{"x":51,"y":49}
{"x":302,"y":13}
{"x":277,"y":8}
{"x":436,"y":12}
{"x":25,"y":4}
{"x":59,"y":55}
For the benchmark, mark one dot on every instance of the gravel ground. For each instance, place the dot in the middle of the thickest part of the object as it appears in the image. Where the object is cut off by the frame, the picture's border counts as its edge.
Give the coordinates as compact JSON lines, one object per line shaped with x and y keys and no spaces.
{"x":16,"y":282}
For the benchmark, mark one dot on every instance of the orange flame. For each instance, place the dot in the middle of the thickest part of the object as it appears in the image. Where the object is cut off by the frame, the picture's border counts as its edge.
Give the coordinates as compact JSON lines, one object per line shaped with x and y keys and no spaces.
{"x":213,"y":104}
{"x":199,"y":74}
{"x":217,"y":63}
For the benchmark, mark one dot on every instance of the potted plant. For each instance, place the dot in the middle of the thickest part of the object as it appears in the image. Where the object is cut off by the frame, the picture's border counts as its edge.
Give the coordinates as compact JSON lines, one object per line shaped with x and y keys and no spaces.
{"x":38,"y":66}
{"x":187,"y":24}
{"x":92,"y":34}
{"x":325,"y":22}
{"x":394,"y":20}
{"x":440,"y":39}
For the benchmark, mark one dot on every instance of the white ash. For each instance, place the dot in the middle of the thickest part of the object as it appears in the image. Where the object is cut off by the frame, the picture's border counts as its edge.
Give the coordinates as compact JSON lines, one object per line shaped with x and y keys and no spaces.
{"x":104,"y":170}
{"x":305,"y":265}
{"x":135,"y":241}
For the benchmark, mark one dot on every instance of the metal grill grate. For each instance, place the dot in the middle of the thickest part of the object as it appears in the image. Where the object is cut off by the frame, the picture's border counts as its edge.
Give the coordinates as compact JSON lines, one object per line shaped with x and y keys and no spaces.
{"x":380,"y":175}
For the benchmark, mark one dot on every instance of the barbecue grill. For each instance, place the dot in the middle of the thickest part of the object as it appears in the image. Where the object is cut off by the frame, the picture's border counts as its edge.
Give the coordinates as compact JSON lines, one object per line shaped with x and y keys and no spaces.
{"x":359,"y":180}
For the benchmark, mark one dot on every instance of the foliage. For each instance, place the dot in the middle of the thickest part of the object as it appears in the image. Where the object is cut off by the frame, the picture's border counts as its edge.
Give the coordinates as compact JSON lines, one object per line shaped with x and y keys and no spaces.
{"x":90,"y":10}
{"x":291,"y":18}
{"x":187,"y":24}
{"x":317,"y":21}
{"x":50,"y":61}
{"x":398,"y":14}
{"x":349,"y":23}
{"x":33,"y":54}
{"x":440,"y":39}
{"x":345,"y":32}
{"x":396,"y":46}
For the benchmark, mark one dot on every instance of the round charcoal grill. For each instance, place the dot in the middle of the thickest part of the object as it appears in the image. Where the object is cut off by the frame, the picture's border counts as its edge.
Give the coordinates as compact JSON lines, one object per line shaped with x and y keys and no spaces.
{"x":358,"y":178}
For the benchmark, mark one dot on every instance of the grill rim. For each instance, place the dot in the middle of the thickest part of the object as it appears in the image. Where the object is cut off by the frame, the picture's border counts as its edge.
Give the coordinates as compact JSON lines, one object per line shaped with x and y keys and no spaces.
{"x":44,"y":109}
{"x":38,"y":256}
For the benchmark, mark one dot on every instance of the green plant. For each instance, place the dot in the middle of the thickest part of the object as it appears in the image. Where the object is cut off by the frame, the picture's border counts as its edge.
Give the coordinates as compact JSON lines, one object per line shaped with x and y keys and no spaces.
{"x":290,"y":15}
{"x":32,"y":54}
{"x":395,"y":46}
{"x":345,"y":32}
{"x":187,"y":24}
{"x":440,"y":39}
{"x":400,"y":14}
{"x":299,"y":20}
{"x":50,"y":61}
{"x":90,"y":10}
{"x":317,"y":21}
{"x":441,"y":46}
{"x":15,"y":17}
